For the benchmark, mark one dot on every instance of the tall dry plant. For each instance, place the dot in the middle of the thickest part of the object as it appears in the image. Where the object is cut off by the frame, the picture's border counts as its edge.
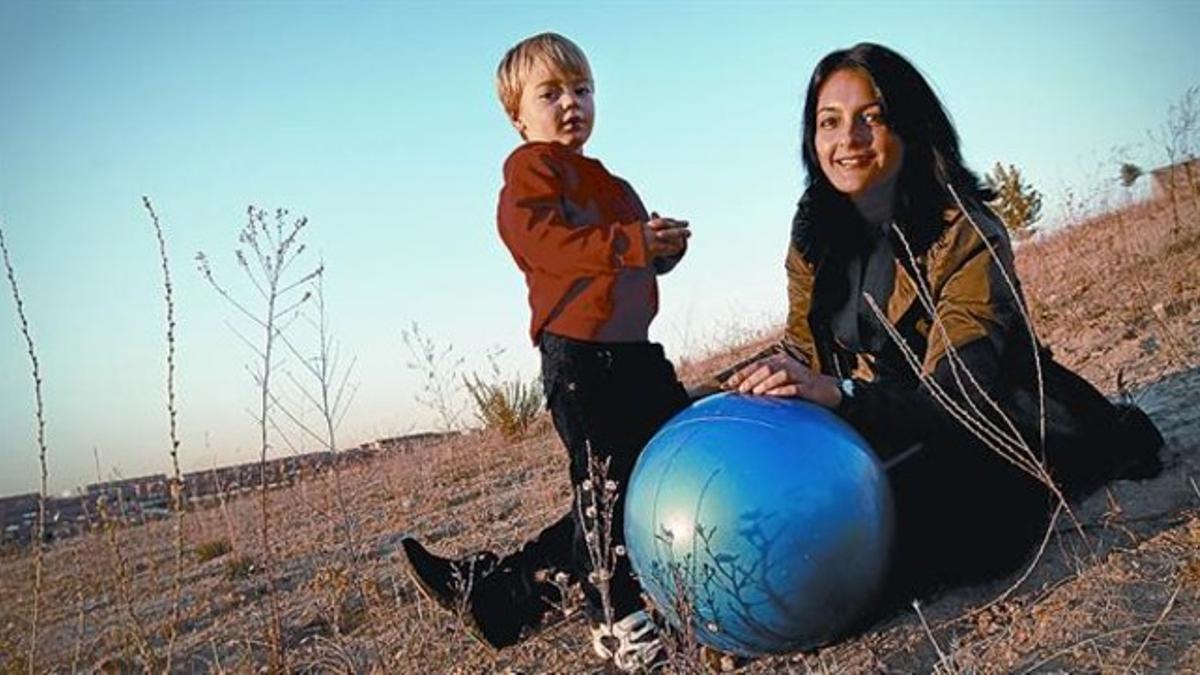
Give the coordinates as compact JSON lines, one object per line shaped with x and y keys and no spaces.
{"x":176,"y":485}
{"x":109,"y":524}
{"x":1001,"y":436}
{"x":267,"y":253}
{"x":40,"y":419}
{"x":330,"y":392}
{"x":439,"y":369}
{"x":134,"y":622}
{"x":684,"y":651}
{"x":223,"y":504}
{"x":327,"y":388}
{"x":994,"y":428}
{"x":1177,"y":138}
{"x":82,"y":583}
{"x":596,"y":500}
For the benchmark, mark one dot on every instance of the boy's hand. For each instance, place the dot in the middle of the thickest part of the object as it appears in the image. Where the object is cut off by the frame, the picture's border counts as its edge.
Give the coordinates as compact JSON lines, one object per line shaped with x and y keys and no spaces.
{"x":665,"y":236}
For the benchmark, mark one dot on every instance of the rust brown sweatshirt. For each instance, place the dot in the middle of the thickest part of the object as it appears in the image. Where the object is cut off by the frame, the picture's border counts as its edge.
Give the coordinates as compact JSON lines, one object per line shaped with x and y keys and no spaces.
{"x":576,"y":232}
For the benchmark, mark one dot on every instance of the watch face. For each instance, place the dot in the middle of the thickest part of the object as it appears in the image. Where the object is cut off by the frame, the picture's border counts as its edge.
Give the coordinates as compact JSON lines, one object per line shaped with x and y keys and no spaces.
{"x":848,"y":388}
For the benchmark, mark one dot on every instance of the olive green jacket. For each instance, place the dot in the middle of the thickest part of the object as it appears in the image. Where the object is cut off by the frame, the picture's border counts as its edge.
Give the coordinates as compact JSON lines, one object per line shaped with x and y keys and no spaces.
{"x":966,"y":276}
{"x":957,"y":308}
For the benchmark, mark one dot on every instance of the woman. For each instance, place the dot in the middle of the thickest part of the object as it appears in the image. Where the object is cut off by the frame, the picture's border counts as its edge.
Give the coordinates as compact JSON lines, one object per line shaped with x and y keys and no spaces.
{"x":906,"y":317}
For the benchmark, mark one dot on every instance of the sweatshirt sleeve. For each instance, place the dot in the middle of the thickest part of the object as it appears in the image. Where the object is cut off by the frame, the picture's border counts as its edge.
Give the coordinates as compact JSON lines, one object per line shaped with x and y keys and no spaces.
{"x":534,"y":226}
{"x":667,"y":263}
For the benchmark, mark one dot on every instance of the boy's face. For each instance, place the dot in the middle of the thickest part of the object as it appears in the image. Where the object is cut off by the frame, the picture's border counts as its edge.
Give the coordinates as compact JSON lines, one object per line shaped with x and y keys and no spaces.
{"x":554,"y":109}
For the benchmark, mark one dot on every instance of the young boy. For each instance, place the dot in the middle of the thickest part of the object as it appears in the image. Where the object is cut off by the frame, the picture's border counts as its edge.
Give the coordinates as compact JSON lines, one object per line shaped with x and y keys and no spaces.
{"x":590,"y":253}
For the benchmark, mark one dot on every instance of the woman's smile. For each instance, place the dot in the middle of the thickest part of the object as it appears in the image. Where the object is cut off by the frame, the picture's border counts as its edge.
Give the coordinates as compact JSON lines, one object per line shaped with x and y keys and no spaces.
{"x":858,"y":152}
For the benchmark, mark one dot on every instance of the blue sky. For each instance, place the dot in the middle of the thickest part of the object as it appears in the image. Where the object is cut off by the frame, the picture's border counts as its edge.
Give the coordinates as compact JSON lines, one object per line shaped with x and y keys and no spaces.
{"x":379,"y":123}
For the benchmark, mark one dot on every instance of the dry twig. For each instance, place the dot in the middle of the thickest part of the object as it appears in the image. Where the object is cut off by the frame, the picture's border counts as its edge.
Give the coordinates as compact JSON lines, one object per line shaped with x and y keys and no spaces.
{"x":172,"y":415}
{"x":39,"y":414}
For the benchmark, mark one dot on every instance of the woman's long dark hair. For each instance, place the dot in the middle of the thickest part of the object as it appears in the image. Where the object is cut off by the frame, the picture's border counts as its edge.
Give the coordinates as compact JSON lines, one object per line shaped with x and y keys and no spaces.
{"x":932,"y":159}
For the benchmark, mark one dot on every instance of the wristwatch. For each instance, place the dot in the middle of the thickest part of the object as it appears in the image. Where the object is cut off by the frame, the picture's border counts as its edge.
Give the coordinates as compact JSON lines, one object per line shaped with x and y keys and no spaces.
{"x":847,"y":387}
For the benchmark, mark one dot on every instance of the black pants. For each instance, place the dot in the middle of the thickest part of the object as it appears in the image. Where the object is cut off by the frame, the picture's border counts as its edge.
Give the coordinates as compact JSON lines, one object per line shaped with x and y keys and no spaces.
{"x":606,"y":399}
{"x":965,"y":514}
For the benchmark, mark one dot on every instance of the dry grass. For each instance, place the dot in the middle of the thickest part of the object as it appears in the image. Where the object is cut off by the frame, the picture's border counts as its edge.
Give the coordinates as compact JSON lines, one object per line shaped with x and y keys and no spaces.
{"x":1117,"y":297}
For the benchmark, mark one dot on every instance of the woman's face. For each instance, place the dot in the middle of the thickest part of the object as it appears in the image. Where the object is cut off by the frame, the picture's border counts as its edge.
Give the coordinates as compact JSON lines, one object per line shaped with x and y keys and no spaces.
{"x":859,"y":154}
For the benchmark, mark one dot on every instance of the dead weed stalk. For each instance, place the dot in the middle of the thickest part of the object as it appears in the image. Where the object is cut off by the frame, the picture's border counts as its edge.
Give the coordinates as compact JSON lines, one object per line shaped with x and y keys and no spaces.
{"x":266,"y":255}
{"x":40,"y":418}
{"x":176,"y":484}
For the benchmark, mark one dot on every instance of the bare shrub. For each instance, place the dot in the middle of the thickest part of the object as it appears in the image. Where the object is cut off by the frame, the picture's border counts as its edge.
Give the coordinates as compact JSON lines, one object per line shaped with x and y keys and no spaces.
{"x":239,"y":567}
{"x":439,"y":369}
{"x":1177,"y":140}
{"x":210,"y":550}
{"x":267,"y":254}
{"x":506,"y":405}
{"x":134,"y":622}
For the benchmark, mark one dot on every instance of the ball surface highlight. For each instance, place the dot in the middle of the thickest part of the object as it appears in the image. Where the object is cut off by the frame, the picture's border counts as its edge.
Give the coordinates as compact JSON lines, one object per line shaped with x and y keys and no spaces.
{"x":768,"y":521}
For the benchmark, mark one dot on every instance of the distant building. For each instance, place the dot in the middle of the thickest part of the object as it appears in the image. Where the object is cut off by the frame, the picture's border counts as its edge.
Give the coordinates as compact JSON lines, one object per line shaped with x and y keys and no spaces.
{"x":1181,"y":178}
{"x":136,"y":488}
{"x":18,"y":516}
{"x":133,"y":500}
{"x":410,"y":442}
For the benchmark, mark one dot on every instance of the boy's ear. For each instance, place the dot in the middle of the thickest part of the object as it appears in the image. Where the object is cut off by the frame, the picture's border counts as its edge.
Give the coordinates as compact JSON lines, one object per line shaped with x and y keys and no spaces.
{"x":518,"y":125}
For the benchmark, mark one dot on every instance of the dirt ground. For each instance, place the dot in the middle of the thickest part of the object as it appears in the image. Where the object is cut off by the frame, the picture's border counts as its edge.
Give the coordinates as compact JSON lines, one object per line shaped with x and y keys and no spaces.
{"x":1117,"y":298}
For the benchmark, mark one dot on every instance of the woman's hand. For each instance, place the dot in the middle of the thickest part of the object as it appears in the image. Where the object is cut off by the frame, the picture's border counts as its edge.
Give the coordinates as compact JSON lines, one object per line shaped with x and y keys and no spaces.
{"x":782,"y":375}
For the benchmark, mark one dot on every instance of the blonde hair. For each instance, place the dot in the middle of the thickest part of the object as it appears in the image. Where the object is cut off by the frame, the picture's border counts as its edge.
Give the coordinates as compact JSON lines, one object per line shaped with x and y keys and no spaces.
{"x":559,"y":54}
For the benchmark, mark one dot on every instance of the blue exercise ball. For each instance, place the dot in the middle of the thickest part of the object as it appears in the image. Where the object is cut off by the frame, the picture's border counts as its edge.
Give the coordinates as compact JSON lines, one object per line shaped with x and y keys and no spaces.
{"x":768,"y":521}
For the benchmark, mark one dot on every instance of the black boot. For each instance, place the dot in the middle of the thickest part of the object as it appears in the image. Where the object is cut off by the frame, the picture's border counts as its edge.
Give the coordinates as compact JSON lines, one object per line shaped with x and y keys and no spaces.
{"x":447,"y":582}
{"x":511,"y":603}
{"x":1143,"y":441}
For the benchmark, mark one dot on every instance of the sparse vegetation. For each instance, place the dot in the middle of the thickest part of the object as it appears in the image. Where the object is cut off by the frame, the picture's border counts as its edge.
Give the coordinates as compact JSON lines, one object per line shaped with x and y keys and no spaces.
{"x":1017,"y":202}
{"x":238,"y":568}
{"x":210,"y":550}
{"x":509,"y":407}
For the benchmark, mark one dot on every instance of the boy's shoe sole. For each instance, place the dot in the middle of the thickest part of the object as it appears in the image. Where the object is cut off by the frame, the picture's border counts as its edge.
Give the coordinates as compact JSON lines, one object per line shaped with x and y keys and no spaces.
{"x":632,"y":644}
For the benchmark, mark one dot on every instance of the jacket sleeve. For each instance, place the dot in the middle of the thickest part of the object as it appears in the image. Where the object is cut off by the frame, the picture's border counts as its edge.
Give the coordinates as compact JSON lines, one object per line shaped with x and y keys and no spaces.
{"x":798,"y":337}
{"x":974,"y":300}
{"x":975,"y":311}
{"x":895,"y":415}
{"x":534,"y":226}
